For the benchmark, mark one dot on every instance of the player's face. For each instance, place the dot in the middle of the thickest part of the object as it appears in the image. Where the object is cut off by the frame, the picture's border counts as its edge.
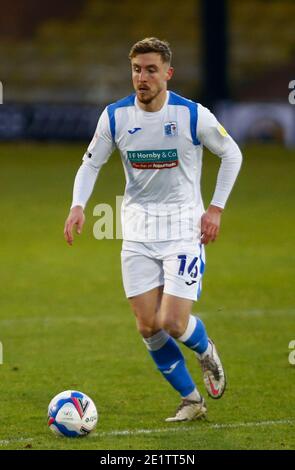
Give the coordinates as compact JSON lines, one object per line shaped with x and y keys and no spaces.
{"x":149,"y":75}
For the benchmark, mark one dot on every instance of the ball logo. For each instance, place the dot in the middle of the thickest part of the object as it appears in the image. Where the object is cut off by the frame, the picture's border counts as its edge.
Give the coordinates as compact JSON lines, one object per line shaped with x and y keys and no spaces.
{"x":92,"y":419}
{"x":68,"y":414}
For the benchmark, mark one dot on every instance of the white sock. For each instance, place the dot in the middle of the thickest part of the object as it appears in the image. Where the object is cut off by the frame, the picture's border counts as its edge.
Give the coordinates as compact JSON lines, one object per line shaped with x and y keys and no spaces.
{"x":205,"y":353}
{"x":194,"y":395}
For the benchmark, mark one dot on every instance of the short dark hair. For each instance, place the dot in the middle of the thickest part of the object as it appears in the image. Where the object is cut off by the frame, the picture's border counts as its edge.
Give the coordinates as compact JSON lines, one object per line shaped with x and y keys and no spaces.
{"x":152,"y":45}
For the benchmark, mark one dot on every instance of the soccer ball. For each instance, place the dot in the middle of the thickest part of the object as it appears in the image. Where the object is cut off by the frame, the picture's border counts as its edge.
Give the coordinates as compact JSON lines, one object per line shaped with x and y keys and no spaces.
{"x":72,"y":414}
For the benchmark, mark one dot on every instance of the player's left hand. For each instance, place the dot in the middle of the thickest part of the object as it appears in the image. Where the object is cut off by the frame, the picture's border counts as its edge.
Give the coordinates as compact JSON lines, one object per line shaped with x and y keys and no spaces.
{"x":210,"y":224}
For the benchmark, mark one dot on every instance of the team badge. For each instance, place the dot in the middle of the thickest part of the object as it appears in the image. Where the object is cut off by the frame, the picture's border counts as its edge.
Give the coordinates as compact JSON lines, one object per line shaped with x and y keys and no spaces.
{"x":170,"y":128}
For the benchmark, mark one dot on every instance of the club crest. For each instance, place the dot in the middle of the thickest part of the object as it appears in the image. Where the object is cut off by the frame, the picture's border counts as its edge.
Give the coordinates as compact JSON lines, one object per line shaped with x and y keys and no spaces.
{"x":170,"y":128}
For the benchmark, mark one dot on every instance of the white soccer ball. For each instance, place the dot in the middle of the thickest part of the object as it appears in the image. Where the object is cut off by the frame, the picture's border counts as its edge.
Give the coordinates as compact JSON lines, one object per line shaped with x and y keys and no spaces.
{"x":72,"y":414}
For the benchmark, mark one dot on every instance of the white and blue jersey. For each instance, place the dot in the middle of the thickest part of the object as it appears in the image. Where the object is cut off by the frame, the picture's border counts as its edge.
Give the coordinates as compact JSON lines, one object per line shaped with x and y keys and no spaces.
{"x":162,"y":158}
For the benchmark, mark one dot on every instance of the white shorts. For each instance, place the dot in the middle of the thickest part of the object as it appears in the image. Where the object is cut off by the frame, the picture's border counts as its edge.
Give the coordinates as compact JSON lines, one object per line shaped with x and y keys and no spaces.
{"x":177,"y":265}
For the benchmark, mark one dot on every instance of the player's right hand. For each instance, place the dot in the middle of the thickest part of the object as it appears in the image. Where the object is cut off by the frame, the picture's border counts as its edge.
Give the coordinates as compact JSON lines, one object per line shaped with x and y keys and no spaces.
{"x":76,"y":217}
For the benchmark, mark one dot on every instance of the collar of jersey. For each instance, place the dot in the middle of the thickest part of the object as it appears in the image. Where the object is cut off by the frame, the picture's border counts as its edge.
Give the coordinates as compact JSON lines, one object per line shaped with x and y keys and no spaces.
{"x":154,"y":114}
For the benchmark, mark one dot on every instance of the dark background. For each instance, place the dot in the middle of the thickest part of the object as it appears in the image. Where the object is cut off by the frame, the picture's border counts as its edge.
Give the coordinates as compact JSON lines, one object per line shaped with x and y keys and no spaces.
{"x":76,"y":53}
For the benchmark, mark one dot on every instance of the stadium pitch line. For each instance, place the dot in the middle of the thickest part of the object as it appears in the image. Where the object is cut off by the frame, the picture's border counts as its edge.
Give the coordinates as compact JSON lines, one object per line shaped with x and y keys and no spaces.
{"x":180,"y":428}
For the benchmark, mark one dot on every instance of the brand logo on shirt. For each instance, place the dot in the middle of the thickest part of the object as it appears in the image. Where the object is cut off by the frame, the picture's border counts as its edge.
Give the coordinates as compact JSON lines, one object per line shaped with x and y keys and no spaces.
{"x":135,"y":129}
{"x":170,"y":128}
{"x":153,"y":159}
{"x":190,"y":283}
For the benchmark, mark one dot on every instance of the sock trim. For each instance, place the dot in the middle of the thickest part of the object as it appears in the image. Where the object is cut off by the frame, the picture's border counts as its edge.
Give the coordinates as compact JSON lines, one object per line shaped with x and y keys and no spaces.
{"x":157,"y":341}
{"x":192,"y":323}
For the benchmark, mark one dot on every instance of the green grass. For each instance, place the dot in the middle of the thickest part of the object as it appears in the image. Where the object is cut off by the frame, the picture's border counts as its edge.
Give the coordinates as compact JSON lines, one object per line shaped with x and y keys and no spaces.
{"x":65,"y":322}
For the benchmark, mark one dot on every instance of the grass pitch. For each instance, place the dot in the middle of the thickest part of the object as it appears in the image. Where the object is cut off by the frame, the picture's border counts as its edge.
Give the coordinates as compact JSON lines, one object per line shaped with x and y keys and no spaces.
{"x":65,"y":323}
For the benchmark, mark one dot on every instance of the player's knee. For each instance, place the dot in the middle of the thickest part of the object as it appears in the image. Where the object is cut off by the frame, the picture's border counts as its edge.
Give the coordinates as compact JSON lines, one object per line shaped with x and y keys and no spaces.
{"x":146,"y":331}
{"x":173,"y":326}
